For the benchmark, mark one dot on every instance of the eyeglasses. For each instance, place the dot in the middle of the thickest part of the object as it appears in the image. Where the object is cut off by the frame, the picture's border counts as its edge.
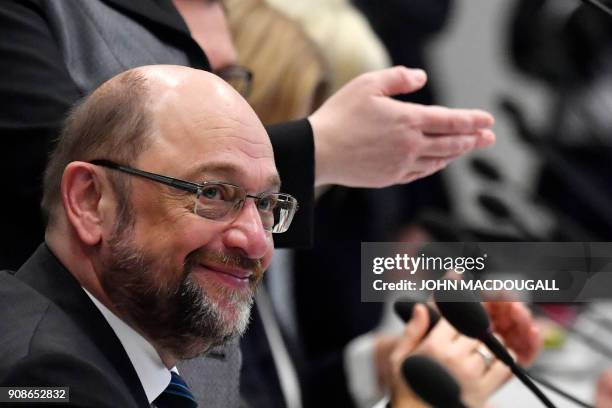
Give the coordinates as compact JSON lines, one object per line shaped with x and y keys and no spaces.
{"x":219,"y":201}
{"x":239,"y":77}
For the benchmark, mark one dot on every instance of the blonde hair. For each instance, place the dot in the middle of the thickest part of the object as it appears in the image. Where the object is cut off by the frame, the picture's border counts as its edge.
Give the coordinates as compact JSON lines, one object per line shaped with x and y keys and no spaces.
{"x":290,"y":75}
{"x":344,"y":35}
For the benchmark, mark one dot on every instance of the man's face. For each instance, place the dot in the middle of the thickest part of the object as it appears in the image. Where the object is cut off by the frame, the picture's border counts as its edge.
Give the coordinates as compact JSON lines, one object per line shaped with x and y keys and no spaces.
{"x":188,"y":282}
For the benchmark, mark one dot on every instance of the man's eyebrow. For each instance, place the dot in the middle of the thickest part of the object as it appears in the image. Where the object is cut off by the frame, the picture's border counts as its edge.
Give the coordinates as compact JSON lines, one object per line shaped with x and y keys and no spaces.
{"x":273,"y":181}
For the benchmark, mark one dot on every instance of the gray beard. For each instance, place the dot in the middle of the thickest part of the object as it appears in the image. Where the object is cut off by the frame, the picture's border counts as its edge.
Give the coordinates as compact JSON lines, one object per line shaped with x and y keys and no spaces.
{"x":178,"y":316}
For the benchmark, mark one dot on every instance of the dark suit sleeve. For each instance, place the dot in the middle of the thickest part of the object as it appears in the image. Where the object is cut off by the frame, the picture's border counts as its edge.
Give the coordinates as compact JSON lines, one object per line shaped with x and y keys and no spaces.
{"x":37,"y":93}
{"x":88,"y":386}
{"x":294,"y":155}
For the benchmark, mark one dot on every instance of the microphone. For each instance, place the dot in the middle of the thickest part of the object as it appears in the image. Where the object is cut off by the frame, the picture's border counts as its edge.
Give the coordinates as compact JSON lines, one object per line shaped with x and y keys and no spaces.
{"x":486,"y":170}
{"x":470,"y":318}
{"x":590,"y":194}
{"x":430,"y":381}
{"x":500,"y":210}
{"x":567,"y":228}
{"x":404,"y":308}
{"x":473,"y":324}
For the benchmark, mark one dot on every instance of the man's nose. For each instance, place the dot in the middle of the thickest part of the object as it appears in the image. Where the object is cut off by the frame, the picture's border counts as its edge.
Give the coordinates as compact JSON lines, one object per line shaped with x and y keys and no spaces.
{"x":248,"y":234}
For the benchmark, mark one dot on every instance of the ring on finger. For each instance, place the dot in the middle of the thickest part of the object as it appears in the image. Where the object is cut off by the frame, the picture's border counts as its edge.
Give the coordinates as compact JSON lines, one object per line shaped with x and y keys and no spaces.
{"x":486,"y":355}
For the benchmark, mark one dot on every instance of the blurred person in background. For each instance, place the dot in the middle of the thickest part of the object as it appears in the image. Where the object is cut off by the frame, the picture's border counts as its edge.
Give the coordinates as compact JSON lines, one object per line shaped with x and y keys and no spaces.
{"x":291,"y":75}
{"x":342,"y":34}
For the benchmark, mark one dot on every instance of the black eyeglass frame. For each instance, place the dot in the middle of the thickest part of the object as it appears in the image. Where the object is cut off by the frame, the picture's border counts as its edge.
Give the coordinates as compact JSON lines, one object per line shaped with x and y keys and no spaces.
{"x":233,"y":72}
{"x":196,"y":188}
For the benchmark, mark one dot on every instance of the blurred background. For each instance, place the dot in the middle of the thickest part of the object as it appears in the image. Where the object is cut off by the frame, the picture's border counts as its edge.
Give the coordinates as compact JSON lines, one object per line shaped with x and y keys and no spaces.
{"x":478,"y":65}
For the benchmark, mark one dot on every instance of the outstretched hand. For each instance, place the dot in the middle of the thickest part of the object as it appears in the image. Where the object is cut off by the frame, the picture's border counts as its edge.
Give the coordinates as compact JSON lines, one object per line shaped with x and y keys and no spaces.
{"x":364,"y":138}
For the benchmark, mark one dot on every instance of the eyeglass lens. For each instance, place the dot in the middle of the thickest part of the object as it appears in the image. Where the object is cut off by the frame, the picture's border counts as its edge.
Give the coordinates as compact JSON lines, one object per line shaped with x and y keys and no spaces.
{"x":224,"y":202}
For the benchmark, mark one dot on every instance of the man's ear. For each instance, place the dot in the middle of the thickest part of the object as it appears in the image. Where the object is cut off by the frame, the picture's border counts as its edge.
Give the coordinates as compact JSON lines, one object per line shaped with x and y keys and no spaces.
{"x":84,"y":190}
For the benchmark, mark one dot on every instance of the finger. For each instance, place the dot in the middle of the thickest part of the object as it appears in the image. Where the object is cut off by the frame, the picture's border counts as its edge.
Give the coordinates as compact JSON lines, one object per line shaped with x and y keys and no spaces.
{"x":521,"y":315}
{"x":415,"y":175}
{"x":486,"y":138}
{"x":441,"y":160}
{"x":414,"y":332}
{"x":531,"y":346}
{"x":426,"y":164}
{"x":448,"y":145}
{"x":442,"y":120}
{"x":411,"y":176}
{"x":603,"y":396}
{"x":501,"y":315}
{"x":397,"y":80}
{"x":520,"y":332}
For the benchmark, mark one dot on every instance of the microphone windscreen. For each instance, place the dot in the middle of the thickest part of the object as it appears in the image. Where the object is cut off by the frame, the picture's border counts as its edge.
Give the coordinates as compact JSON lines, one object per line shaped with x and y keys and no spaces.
{"x":494,"y":206}
{"x":486,"y":169}
{"x":430,"y":381}
{"x":404,"y":309}
{"x":465,"y":313}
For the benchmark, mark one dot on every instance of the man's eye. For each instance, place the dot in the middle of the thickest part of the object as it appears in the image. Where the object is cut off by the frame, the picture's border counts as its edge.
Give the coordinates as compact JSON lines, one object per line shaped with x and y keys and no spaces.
{"x":266,"y":203}
{"x":212,"y":193}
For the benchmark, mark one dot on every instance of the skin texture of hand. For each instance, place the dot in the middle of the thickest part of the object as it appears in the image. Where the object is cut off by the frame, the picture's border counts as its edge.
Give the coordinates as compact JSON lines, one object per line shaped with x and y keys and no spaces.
{"x":514,"y":323}
{"x":454,"y":351}
{"x":603,"y":396}
{"x":364,"y":138}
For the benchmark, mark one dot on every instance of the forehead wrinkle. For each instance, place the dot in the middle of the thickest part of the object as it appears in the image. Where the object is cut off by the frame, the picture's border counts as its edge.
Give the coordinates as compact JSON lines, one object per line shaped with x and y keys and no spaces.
{"x":211,"y":123}
{"x":224,"y":169}
{"x":229,"y":123}
{"x":253,"y":149}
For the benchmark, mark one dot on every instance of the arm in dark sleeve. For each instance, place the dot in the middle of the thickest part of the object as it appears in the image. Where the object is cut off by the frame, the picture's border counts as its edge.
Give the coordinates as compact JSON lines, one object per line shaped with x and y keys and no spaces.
{"x":36,"y":92}
{"x":294,"y":156}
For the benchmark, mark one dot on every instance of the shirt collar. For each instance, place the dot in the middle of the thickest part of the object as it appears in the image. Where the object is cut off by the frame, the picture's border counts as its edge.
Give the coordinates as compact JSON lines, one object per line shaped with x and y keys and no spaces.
{"x":153,"y":374}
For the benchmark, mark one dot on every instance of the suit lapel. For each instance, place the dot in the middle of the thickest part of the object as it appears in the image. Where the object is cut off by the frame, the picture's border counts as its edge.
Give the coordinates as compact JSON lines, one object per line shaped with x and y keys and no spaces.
{"x":48,"y":276}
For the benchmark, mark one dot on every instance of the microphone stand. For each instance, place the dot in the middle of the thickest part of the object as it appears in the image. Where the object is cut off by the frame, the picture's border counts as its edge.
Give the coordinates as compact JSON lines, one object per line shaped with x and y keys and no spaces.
{"x":500,"y":352}
{"x":557,"y":390}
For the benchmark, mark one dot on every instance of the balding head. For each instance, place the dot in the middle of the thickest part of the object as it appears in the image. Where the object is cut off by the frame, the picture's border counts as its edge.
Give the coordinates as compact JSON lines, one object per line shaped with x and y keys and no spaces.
{"x":120,"y":119}
{"x":175,"y":235}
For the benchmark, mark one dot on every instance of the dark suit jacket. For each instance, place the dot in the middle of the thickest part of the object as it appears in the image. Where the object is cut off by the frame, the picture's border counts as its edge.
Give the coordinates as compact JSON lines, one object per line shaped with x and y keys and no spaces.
{"x":51,"y":334}
{"x":52,"y":53}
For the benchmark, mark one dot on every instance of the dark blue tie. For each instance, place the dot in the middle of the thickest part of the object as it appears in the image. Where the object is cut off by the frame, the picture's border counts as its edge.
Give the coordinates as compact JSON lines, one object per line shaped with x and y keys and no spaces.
{"x":176,"y":395}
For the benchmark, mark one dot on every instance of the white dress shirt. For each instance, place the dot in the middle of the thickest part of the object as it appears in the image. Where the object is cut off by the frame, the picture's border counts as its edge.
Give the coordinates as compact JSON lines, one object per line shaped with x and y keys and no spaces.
{"x":151,"y":371}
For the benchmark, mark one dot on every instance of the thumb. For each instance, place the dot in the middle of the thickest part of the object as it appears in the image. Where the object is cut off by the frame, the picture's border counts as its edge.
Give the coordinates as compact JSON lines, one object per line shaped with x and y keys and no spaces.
{"x":399,"y":80}
{"x":414,"y":332}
